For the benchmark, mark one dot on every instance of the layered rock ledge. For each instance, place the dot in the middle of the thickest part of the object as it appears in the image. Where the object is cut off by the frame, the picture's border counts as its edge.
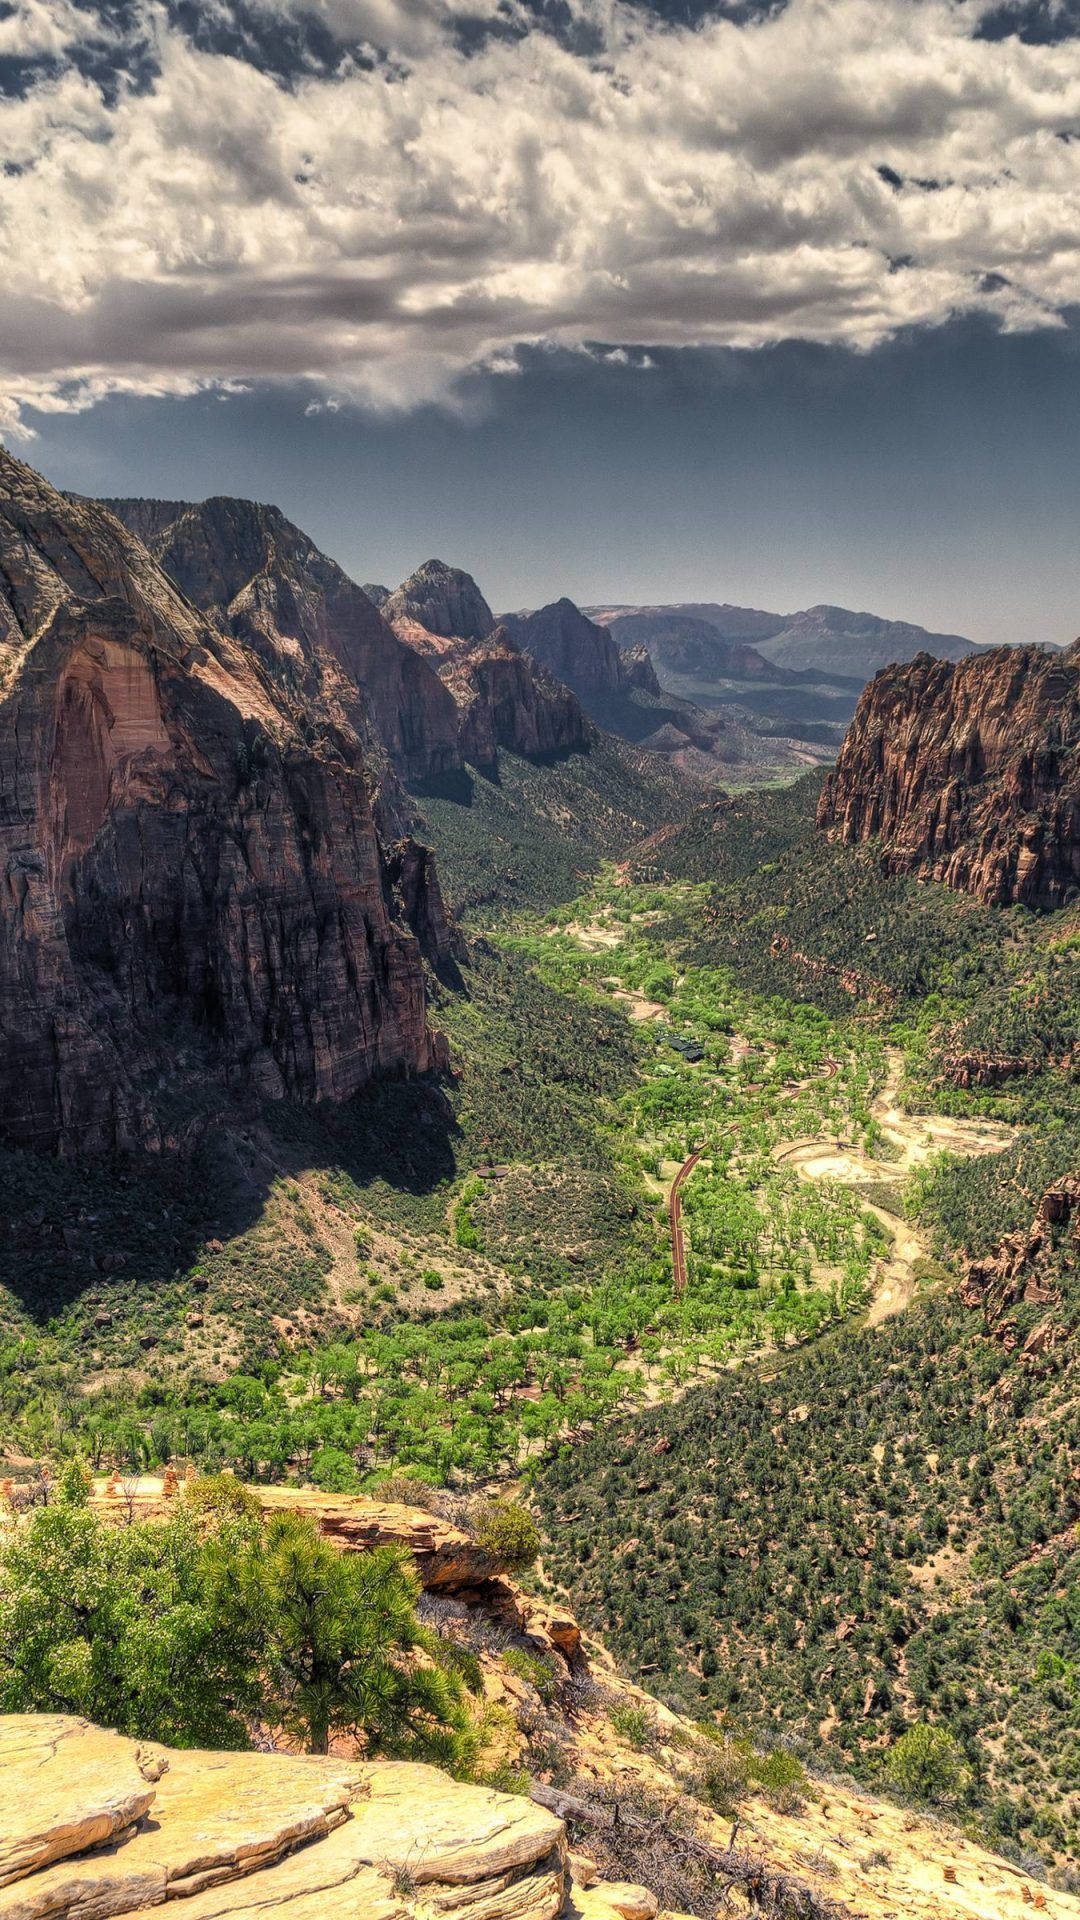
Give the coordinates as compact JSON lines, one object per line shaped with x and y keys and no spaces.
{"x":253,"y":1833}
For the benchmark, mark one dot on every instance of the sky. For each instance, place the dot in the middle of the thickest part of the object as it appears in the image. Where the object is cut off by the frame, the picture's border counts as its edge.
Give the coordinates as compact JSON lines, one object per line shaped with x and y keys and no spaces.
{"x":773,"y":301}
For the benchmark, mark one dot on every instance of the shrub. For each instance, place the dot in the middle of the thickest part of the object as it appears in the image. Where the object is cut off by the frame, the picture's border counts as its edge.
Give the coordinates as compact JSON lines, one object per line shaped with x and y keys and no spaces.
{"x":926,"y":1764}
{"x":220,"y":1496}
{"x":506,"y":1778}
{"x":536,"y":1670}
{"x":507,"y":1531}
{"x":724,"y":1778}
{"x":633,"y":1724}
{"x":781,"y":1777}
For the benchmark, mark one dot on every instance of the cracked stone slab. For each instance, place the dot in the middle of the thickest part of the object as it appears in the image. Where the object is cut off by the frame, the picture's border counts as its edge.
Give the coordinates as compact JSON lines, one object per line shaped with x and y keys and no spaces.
{"x":64,"y":1786}
{"x":417,"y":1846}
{"x":214,"y":1817}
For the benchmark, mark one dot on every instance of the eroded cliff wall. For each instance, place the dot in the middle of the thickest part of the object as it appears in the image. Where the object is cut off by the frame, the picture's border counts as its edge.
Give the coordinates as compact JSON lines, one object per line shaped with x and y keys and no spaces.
{"x":193,"y":883}
{"x":968,"y":772}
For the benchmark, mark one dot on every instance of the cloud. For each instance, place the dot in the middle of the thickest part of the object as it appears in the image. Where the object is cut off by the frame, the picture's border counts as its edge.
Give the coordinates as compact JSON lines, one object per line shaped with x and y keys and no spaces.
{"x":458,"y":181}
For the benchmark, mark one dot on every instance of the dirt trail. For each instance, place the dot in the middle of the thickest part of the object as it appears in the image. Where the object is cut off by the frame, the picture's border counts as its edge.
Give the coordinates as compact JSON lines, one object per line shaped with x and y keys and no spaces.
{"x":918,"y":1135}
{"x":915,"y":1138}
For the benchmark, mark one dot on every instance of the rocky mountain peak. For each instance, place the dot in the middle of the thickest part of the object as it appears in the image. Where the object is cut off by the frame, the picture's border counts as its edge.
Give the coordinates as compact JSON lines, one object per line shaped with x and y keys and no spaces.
{"x":444,"y":600}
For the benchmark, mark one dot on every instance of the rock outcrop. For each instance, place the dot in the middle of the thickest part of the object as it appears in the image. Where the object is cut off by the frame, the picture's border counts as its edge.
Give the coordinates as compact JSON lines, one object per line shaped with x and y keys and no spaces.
{"x":195,"y":891}
{"x":319,"y":637}
{"x":269,"y":1834}
{"x":968,"y":772}
{"x":504,"y":699}
{"x":1024,"y":1270}
{"x":581,"y":654}
{"x":688,"y":647}
{"x":64,"y":1787}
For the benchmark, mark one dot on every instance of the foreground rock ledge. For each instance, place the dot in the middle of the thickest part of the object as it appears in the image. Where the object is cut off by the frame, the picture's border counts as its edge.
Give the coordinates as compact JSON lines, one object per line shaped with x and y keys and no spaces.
{"x":256,"y":1833}
{"x":64,"y":1786}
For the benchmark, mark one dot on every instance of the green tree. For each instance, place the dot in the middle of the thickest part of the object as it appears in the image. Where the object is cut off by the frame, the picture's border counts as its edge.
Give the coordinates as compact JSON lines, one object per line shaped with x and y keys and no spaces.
{"x":926,"y":1764}
{"x":128,"y":1625}
{"x":342,"y":1649}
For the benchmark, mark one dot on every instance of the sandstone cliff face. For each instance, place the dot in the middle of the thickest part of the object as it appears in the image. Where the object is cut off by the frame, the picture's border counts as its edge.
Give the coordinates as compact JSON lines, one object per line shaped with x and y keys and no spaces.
{"x":317,"y":634}
{"x":505,"y":702}
{"x":194,"y":888}
{"x":968,"y":772}
{"x":503,"y":698}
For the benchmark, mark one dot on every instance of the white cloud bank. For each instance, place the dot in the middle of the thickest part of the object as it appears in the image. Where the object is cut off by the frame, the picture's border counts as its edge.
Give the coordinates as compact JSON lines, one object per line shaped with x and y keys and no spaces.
{"x":388,"y":227}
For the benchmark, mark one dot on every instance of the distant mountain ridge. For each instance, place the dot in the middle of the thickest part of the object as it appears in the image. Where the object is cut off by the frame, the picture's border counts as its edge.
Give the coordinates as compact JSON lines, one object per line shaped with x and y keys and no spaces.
{"x":829,"y":642}
{"x":619,"y":688}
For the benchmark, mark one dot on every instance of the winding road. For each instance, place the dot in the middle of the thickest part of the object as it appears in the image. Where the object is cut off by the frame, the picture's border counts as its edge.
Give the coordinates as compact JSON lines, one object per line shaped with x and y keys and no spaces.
{"x":678,"y":1249}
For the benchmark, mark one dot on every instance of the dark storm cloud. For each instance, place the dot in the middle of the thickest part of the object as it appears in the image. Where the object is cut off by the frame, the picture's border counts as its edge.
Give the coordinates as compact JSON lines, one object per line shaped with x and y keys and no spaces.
{"x":1038,"y":22}
{"x":384,"y":194}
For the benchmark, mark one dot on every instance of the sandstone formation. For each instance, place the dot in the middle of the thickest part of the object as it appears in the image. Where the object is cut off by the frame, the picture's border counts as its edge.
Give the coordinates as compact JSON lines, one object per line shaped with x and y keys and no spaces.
{"x":263,"y":1834}
{"x":968,"y":772}
{"x":195,"y":886}
{"x":578,"y":652}
{"x":505,"y":702}
{"x":64,"y":1787}
{"x":638,"y":671}
{"x":319,"y":636}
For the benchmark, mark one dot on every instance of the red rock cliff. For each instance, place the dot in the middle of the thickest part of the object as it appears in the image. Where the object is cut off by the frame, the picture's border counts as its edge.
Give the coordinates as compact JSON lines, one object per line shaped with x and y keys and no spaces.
{"x":193,"y":887}
{"x":315,"y":631}
{"x":504,"y":698}
{"x":968,"y":772}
